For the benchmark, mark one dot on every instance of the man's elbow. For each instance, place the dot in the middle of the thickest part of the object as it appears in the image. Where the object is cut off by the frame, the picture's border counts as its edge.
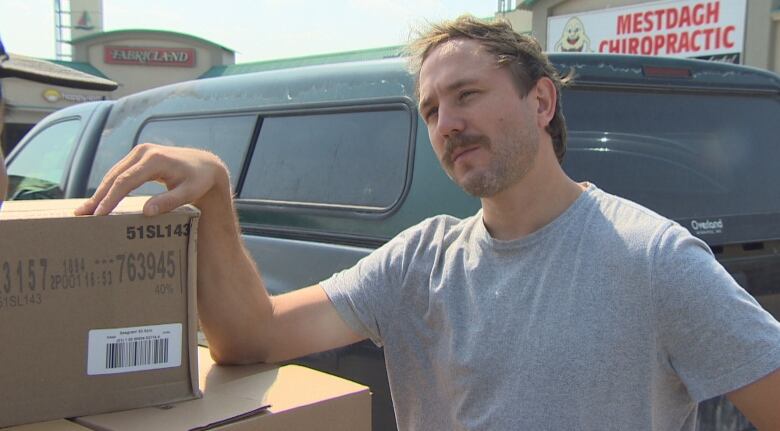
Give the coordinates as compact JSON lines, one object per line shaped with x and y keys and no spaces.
{"x":759,"y":401}
{"x":236,"y":355}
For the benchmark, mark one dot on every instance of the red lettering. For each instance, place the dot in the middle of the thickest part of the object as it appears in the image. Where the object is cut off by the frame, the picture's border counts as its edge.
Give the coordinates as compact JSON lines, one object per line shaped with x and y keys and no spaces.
{"x":660,"y":42}
{"x":685,"y":17}
{"x":695,"y":46}
{"x":616,"y":47}
{"x":698,"y":14}
{"x":713,"y":12}
{"x":624,"y":24}
{"x":647,"y":45}
{"x":647,"y":18}
{"x":671,"y":18}
{"x":633,"y":44}
{"x":708,"y":38}
{"x":604,"y":44}
{"x":636,"y":21}
{"x":659,"y":19}
{"x":728,"y":42}
{"x":685,"y":42}
{"x":671,"y":43}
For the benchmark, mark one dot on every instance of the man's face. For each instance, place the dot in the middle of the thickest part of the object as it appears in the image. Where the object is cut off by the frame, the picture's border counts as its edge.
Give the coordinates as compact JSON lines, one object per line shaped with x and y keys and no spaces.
{"x":484,"y":134}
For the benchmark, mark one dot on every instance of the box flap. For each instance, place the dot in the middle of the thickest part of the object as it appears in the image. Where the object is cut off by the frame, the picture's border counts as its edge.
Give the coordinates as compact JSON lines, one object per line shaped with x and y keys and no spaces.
{"x":63,"y":208}
{"x":205,"y":413}
{"x":58,"y":425}
{"x":257,"y":393}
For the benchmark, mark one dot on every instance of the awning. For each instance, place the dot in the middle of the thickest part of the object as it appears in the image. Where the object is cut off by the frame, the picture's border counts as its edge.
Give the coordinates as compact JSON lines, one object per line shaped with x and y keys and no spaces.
{"x":33,"y":69}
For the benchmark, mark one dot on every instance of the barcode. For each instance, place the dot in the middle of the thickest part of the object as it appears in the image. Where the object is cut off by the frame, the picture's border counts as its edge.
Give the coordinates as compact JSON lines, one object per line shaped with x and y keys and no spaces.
{"x":136,"y":353}
{"x":139,"y":348}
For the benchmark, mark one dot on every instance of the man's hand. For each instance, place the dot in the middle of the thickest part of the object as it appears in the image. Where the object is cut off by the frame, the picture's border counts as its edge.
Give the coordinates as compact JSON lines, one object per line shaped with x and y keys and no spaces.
{"x":191,"y":176}
{"x":242,"y":323}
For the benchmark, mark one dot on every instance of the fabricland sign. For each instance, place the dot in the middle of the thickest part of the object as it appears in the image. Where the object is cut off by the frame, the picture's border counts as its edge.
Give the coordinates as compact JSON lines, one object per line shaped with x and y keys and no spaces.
{"x":686,"y":28}
{"x":146,"y":56}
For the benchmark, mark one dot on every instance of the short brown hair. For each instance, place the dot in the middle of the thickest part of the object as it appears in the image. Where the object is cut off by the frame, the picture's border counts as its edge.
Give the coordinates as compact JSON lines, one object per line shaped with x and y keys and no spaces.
{"x":521,"y":53}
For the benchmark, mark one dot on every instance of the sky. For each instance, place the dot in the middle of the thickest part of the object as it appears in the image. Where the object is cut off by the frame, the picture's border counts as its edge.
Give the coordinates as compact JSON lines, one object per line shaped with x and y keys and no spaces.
{"x":256,"y":29}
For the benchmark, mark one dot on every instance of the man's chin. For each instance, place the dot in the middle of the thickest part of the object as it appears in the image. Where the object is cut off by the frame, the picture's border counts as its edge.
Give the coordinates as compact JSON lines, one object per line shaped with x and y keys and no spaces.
{"x":480,"y":186}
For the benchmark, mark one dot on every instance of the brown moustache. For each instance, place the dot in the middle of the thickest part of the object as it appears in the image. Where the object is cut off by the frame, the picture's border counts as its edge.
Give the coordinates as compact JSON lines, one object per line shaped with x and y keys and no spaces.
{"x":459,"y":141}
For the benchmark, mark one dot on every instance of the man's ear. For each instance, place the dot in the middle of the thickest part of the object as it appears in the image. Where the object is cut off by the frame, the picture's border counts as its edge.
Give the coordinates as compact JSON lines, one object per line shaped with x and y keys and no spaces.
{"x":547,"y":98}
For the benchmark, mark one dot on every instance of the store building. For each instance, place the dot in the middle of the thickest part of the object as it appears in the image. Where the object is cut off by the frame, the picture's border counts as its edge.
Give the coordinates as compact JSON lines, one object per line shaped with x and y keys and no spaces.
{"x":143,"y":59}
{"x":136,"y":59}
{"x":738,"y":31}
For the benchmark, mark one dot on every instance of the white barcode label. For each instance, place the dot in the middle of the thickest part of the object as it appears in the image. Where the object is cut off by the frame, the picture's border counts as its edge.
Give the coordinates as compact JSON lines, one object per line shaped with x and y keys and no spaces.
{"x":124,"y":350}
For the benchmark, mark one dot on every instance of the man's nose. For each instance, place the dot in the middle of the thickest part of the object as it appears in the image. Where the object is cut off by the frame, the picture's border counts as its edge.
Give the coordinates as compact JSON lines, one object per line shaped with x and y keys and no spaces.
{"x":450,"y":122}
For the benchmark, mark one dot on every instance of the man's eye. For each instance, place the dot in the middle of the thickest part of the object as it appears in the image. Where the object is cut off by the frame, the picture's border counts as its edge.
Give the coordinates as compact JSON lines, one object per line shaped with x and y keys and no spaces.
{"x":431,"y":112}
{"x":465,"y":94}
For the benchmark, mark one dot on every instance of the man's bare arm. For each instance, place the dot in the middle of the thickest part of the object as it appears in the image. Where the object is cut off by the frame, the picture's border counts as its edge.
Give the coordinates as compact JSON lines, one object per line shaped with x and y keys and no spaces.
{"x":760,"y":401}
{"x":242,"y":323}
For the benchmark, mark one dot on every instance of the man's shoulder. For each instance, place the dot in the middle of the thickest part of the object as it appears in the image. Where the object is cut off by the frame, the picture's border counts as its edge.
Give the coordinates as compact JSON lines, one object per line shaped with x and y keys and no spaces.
{"x":442,"y":224}
{"x":626,"y":219}
{"x":618,"y":210}
{"x":434,"y":233}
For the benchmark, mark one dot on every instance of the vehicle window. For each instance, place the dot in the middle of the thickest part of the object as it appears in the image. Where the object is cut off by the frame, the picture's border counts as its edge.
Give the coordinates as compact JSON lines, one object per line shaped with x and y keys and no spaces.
{"x":228,"y":137}
{"x":680,"y":154}
{"x":353,"y":159}
{"x":38,"y":171}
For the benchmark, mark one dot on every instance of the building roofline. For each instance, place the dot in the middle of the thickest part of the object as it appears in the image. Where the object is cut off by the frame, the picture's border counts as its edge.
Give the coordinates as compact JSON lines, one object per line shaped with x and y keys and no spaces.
{"x":81,"y":66}
{"x":309,"y":60}
{"x":525,"y":4}
{"x":389,"y":49}
{"x":148,"y":31}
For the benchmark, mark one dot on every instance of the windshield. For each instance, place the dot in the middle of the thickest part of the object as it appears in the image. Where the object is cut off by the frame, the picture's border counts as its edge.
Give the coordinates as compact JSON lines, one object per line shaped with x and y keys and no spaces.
{"x":38,"y":170}
{"x":681,"y":154}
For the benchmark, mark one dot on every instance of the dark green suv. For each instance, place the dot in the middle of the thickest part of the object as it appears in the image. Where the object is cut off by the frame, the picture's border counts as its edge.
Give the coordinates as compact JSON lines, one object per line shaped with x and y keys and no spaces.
{"x":331,"y":161}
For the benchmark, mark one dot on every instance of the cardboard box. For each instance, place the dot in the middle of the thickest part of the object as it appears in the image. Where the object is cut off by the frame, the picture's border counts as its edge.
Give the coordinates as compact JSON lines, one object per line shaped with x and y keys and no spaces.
{"x":253,"y":397}
{"x":97,"y":314}
{"x":58,"y":425}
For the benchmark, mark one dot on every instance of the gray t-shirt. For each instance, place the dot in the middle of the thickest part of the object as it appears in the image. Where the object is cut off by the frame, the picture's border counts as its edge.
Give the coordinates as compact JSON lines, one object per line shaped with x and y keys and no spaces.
{"x":609,"y":317}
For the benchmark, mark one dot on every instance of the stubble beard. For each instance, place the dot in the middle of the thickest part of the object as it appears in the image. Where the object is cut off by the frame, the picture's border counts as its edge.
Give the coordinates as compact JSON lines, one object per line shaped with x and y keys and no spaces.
{"x":512,"y":159}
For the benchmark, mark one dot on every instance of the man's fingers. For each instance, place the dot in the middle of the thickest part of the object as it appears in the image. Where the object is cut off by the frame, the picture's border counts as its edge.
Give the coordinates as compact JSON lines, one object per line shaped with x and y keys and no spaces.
{"x":187,"y":173}
{"x":91,"y":204}
{"x":126,"y":182}
{"x":168,"y":201}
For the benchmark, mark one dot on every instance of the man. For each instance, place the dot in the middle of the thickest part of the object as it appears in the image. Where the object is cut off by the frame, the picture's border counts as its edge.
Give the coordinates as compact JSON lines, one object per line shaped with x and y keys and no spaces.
{"x":557,"y":306}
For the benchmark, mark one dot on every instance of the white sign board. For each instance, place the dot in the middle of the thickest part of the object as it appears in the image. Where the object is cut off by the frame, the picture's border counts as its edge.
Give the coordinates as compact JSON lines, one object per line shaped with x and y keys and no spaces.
{"x":86,"y":17}
{"x":681,"y":28}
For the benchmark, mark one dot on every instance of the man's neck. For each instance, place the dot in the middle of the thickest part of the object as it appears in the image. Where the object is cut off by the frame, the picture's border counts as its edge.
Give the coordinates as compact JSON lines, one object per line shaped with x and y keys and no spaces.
{"x":538,"y":199}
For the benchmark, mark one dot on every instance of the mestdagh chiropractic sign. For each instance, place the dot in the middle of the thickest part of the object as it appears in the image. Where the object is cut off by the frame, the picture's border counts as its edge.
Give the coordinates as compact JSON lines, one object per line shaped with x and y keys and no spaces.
{"x":711,"y":30}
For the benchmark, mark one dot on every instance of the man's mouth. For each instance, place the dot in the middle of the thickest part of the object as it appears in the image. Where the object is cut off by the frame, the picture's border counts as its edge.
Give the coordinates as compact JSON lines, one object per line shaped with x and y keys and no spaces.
{"x":461,"y":151}
{"x":460,"y":145}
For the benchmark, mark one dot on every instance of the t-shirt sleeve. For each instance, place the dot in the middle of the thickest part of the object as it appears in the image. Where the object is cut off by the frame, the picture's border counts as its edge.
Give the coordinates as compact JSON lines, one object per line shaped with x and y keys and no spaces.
{"x":714,"y":334}
{"x":365,"y":295}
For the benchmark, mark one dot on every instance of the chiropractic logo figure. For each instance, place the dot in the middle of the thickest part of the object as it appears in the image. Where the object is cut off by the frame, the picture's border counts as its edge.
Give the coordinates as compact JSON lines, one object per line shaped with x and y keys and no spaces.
{"x":573,"y":38}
